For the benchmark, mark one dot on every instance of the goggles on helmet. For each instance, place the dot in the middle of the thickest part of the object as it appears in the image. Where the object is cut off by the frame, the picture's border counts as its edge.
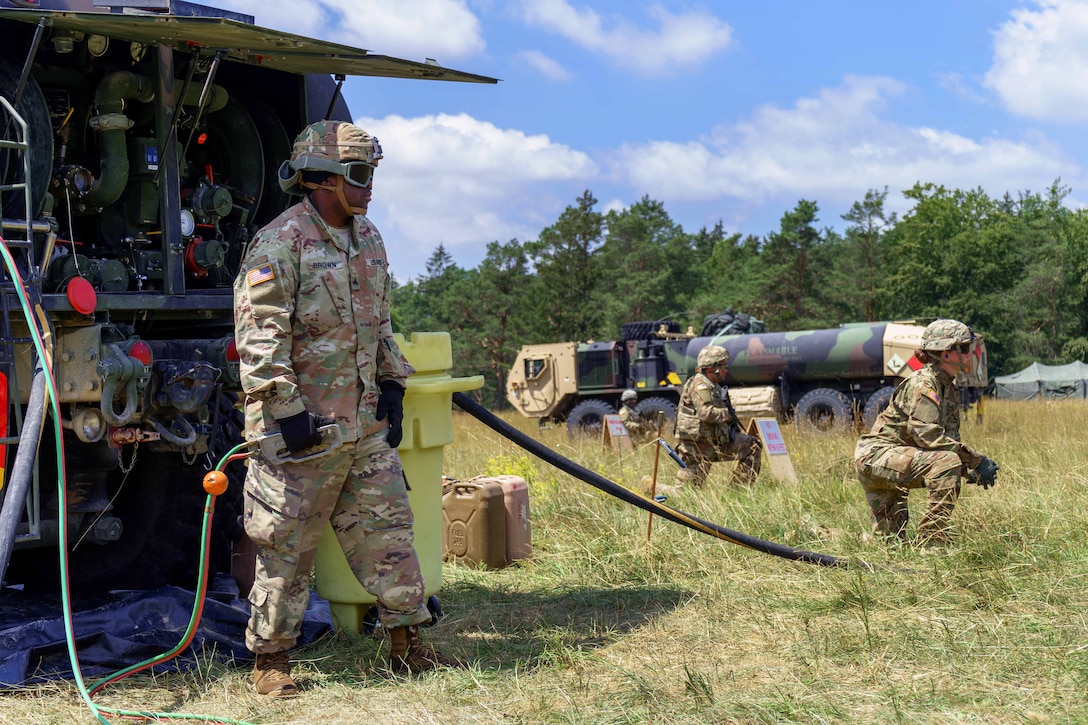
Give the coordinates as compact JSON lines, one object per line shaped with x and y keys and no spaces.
{"x":356,"y":173}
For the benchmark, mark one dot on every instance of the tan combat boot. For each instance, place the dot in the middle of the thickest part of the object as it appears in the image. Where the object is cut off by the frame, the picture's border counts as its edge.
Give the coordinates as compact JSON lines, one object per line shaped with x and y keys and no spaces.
{"x":408,"y":654}
{"x":272,"y":675}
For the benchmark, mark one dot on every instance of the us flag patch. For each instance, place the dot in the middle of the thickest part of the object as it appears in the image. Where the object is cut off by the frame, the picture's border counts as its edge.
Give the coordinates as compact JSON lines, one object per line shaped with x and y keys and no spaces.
{"x":932,"y":395}
{"x":260,"y":274}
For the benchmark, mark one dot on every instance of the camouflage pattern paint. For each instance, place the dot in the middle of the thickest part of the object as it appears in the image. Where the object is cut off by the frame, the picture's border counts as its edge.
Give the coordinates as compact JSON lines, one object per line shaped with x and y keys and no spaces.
{"x":847,"y":352}
{"x":875,"y":354}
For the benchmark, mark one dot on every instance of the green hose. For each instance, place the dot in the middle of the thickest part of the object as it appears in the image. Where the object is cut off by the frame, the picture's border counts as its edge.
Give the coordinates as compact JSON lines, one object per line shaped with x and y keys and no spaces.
{"x":62,"y":543}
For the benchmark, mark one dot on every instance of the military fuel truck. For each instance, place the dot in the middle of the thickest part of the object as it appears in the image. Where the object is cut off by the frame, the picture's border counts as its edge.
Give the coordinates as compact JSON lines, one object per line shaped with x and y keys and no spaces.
{"x":140,"y":150}
{"x":825,"y":380}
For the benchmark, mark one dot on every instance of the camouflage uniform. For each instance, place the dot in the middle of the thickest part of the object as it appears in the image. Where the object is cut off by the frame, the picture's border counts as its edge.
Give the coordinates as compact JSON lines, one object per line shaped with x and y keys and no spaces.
{"x":915,"y":443}
{"x":313,"y":334}
{"x":637,"y":424}
{"x":707,"y":431}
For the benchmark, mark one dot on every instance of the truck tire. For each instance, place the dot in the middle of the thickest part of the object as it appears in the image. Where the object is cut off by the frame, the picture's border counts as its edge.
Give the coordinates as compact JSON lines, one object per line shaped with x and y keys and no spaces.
{"x":34,"y":110}
{"x":587,"y":418}
{"x":651,"y":405}
{"x":876,"y":403}
{"x":824,"y":411}
{"x":227,"y":527}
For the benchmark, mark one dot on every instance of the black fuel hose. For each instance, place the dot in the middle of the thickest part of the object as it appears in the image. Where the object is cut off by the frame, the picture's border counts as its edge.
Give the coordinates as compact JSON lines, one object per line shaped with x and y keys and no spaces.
{"x":646,"y":504}
{"x":23,"y":469}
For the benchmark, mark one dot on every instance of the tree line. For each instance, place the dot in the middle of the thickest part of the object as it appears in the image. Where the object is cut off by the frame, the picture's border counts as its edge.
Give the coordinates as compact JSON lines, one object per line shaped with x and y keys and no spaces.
{"x":1015,"y":268}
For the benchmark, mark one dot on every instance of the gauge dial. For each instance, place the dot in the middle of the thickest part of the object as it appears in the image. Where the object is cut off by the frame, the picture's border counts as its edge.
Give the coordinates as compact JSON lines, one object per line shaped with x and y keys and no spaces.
{"x":97,"y":45}
{"x":136,"y":51}
{"x":188,"y":223}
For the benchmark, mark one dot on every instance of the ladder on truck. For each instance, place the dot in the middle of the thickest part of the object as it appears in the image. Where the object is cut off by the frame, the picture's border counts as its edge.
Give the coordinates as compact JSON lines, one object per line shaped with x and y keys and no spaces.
{"x":18,"y":238}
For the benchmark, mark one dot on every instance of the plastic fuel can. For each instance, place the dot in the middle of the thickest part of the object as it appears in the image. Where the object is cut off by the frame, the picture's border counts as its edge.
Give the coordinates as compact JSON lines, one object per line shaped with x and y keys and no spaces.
{"x":519,"y":533}
{"x":474,"y":523}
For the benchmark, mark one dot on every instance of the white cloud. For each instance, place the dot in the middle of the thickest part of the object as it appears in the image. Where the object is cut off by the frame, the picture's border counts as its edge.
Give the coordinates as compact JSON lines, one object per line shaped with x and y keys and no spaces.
{"x":832,"y":147}
{"x":961,"y":87}
{"x":547,"y":67}
{"x":461,"y":182}
{"x":412,"y":29}
{"x":680,"y":42}
{"x":1040,"y":66}
{"x":616,"y":205}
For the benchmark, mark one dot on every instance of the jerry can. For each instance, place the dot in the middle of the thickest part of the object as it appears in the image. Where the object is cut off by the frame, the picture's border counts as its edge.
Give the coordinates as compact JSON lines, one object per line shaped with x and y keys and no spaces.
{"x":519,"y":534}
{"x":474,"y":523}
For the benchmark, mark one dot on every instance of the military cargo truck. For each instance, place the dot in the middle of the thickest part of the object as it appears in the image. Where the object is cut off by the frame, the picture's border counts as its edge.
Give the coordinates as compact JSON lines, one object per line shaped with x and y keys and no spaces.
{"x":825,"y":380}
{"x":139,"y":155}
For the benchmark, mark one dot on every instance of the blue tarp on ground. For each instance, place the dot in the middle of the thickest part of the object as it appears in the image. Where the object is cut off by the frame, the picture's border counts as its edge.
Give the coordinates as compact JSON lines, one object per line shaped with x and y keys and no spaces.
{"x":1044,"y":381}
{"x":116,"y":631}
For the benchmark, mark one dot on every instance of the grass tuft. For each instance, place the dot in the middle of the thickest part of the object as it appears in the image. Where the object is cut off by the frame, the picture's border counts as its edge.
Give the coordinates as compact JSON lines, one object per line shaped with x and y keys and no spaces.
{"x":602,"y":625}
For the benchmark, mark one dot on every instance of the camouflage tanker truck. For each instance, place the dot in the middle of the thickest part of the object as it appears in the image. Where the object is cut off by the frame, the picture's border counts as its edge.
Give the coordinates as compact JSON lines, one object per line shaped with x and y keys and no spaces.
{"x":140,"y":151}
{"x":827,"y":380}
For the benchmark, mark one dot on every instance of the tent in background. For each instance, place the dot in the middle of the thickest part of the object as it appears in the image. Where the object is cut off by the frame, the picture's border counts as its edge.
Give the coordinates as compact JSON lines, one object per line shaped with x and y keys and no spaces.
{"x":1044,"y":381}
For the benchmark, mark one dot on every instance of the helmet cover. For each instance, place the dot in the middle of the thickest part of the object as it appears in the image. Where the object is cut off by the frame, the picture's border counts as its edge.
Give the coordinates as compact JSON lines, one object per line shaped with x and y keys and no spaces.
{"x":336,"y":141}
{"x":941,"y":335}
{"x":712,"y":355}
{"x":327,"y":146}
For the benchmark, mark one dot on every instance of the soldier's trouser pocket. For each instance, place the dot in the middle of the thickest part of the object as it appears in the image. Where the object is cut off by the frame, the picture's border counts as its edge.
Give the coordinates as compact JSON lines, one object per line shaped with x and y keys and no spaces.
{"x":271,"y":506}
{"x":890,"y":465}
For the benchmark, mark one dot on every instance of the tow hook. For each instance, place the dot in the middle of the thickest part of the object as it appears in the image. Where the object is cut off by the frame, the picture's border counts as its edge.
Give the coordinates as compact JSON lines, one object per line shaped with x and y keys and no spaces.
{"x":120,"y":370}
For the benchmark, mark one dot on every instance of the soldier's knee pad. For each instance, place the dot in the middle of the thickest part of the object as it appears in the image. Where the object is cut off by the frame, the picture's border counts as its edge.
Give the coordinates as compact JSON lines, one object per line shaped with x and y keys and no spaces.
{"x":873,"y":484}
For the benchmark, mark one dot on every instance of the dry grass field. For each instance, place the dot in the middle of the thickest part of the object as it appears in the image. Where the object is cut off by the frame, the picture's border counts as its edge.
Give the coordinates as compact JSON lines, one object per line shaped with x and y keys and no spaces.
{"x":603,"y":626}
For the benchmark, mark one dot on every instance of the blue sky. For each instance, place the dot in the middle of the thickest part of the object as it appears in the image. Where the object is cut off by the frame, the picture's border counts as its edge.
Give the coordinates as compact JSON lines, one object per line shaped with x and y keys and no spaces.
{"x":721,"y":110}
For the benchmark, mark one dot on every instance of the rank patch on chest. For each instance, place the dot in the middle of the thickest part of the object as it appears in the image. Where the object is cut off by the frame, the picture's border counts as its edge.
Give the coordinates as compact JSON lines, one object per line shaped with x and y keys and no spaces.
{"x":260,"y":274}
{"x":375,"y":262}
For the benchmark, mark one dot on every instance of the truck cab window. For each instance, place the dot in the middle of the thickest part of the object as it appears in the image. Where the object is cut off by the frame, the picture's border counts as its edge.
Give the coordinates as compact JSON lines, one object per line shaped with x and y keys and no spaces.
{"x":535,"y":368}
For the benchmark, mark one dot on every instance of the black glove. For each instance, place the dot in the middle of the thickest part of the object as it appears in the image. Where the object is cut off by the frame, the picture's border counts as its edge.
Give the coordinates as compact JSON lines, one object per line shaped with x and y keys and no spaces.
{"x":391,"y":405}
{"x":987,"y":472}
{"x":299,"y":431}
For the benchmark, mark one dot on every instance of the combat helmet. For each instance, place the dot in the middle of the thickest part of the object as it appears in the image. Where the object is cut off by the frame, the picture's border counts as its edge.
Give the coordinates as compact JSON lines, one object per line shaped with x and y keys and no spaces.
{"x":629,"y":396}
{"x":335,"y":147}
{"x":941,"y":335}
{"x":712,"y":355}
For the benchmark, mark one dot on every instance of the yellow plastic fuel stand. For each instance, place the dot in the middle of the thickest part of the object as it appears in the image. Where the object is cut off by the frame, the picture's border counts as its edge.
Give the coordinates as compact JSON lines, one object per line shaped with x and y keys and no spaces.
{"x":428,"y":428}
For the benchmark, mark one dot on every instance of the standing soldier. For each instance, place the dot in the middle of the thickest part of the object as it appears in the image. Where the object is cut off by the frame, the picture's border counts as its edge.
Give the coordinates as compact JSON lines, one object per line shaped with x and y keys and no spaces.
{"x":707,"y":429}
{"x":915,"y":441}
{"x":638,"y":424}
{"x":316,"y":346}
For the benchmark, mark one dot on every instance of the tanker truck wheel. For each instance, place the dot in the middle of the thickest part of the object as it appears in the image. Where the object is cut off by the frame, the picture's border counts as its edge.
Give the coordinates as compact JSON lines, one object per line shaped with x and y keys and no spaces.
{"x":824,"y":411}
{"x":35,"y":111}
{"x":650,"y":406}
{"x":587,"y":418}
{"x":876,"y":403}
